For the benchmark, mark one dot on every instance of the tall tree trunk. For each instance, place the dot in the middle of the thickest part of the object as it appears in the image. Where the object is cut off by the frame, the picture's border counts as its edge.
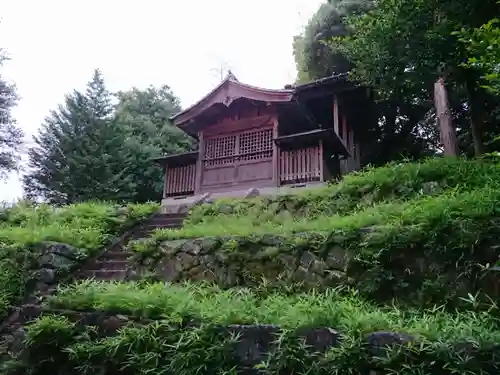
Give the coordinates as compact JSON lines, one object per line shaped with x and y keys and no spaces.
{"x":476,"y":118}
{"x":475,"y":127}
{"x":443,"y":115}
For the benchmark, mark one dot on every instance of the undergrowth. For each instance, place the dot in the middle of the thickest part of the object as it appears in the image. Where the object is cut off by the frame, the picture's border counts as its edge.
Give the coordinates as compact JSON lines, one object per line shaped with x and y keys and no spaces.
{"x":411,"y":248}
{"x":25,"y":227}
{"x":416,"y":234}
{"x":208,"y":303}
{"x":371,"y":186}
{"x":442,"y":343}
{"x":447,"y":206}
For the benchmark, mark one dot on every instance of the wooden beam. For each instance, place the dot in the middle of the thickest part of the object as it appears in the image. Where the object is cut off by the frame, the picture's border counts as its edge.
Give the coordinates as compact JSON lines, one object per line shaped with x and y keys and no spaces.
{"x":345,"y":131}
{"x":199,"y":164}
{"x":165,"y":171}
{"x":276,"y":151}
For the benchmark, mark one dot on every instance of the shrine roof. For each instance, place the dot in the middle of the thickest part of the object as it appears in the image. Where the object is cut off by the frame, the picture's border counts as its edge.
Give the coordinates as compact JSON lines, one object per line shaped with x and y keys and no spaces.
{"x":229,"y":90}
{"x":334,"y":79}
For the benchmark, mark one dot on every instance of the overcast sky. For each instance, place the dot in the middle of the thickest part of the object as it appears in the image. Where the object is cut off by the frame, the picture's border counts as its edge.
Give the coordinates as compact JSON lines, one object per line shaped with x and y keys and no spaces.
{"x":55,"y":45}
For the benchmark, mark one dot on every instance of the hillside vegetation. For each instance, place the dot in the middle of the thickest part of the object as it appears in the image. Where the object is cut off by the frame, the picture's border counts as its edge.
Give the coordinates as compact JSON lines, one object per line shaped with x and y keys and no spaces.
{"x":389,"y":270}
{"x":403,"y":231}
{"x":41,"y":242}
{"x":199,"y":330}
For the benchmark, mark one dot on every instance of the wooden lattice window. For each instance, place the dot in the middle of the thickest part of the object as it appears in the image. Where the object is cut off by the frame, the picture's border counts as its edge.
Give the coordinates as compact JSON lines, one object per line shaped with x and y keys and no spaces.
{"x":219,"y":151}
{"x":256,"y":145}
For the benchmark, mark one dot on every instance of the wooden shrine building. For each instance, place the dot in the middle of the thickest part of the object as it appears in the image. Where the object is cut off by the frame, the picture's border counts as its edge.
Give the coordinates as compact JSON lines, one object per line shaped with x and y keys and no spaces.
{"x":250,"y":137}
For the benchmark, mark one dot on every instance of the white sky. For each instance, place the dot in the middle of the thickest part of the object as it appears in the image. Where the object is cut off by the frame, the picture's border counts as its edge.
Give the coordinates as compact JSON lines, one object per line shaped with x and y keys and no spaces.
{"x":55,"y":45}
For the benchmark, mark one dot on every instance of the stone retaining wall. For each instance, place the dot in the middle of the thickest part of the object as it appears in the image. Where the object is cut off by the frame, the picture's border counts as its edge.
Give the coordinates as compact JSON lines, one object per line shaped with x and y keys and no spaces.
{"x":239,"y":261}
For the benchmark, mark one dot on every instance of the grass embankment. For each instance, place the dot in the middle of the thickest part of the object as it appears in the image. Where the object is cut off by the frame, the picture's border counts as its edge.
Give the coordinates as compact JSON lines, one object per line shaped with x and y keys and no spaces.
{"x":424,"y":227}
{"x":421,"y":232}
{"x":394,"y":183}
{"x":174,"y":347}
{"x":24,"y":228}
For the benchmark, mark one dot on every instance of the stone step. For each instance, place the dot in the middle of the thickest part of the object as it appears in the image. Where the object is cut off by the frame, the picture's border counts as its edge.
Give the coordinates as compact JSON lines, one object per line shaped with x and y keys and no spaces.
{"x":103,"y":274}
{"x":110,"y":264}
{"x":169,"y":217}
{"x":115,"y":255}
{"x":147,"y":232}
{"x":162,"y":225}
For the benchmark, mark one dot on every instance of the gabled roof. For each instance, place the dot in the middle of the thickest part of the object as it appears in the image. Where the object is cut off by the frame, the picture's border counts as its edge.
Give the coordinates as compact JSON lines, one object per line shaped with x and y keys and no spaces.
{"x":229,"y":90}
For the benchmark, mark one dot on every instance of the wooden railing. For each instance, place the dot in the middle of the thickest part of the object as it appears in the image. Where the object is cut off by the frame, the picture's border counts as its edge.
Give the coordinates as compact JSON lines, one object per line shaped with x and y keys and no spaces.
{"x":180,"y":180}
{"x":303,"y":165}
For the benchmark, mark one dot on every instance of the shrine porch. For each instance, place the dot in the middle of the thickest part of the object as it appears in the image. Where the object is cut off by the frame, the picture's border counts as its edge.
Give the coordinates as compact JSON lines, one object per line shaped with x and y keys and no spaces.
{"x":290,"y":166}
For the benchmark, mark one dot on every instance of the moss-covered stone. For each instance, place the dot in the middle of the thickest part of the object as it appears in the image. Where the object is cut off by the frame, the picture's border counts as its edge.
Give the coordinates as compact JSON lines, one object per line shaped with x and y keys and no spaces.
{"x":230,"y":261}
{"x":414,"y":258}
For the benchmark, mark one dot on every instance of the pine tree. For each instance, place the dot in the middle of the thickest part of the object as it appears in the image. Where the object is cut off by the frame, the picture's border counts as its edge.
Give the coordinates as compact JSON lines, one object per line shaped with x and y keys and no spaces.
{"x":78,"y":153}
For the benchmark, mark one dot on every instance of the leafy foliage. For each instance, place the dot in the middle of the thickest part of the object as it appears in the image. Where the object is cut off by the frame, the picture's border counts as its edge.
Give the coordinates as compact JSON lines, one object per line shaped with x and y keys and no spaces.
{"x":401,"y":47}
{"x":143,"y":115}
{"x":11,"y":136}
{"x":405,"y":121}
{"x":76,"y":157}
{"x":176,"y":345}
{"x":392,"y":183}
{"x":313,"y":57}
{"x":409,"y":231}
{"x":483,"y":45}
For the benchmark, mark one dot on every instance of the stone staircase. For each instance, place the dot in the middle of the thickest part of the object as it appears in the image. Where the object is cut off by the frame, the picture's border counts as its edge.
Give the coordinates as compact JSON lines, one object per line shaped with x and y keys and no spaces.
{"x":113,"y":263}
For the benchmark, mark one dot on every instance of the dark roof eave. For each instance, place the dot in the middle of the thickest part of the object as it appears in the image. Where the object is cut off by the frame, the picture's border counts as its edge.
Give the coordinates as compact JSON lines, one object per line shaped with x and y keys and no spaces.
{"x":322,"y":81}
{"x":172,"y":157}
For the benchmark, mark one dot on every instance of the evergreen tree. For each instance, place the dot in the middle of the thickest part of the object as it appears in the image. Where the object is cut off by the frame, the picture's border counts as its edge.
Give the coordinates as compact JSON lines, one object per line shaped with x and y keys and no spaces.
{"x":11,"y":136}
{"x":78,"y":153}
{"x":88,"y":149}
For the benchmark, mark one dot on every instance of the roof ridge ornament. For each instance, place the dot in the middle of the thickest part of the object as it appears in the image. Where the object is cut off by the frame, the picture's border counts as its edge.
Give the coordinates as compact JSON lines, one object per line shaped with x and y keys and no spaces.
{"x":231,"y":76}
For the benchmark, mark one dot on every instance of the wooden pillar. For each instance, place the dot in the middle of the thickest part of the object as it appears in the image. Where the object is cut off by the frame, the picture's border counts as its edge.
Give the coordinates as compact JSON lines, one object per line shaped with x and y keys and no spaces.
{"x":357,"y":151}
{"x":236,"y":159}
{"x":165,"y":172}
{"x":199,"y":164}
{"x":321,"y":162}
{"x":345,"y":131}
{"x":336,"y":115}
{"x":276,"y":153}
{"x":351,"y":150}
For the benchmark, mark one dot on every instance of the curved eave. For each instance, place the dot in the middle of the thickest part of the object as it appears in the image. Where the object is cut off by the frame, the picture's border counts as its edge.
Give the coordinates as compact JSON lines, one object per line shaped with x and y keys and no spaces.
{"x":227,"y":92}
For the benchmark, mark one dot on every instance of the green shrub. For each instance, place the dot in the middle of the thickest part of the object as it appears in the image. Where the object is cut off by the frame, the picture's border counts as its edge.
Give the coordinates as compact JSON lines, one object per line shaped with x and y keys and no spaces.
{"x":87,"y":226}
{"x":445,"y":343}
